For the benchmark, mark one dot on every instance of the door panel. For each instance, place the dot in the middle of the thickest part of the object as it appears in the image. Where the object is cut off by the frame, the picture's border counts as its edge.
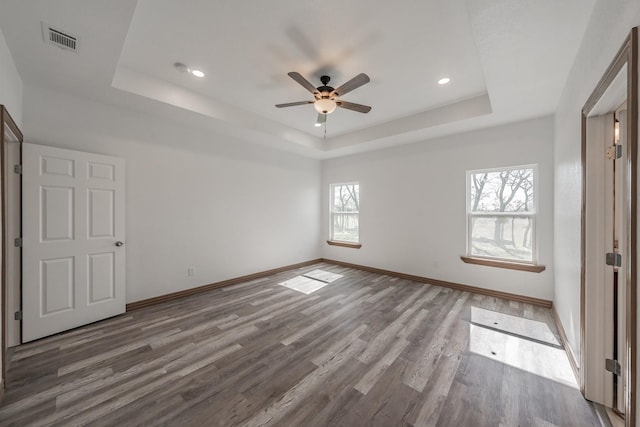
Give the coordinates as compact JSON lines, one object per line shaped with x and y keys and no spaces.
{"x":55,"y":166}
{"x":101,"y":171}
{"x":56,"y":213}
{"x":101,"y":213}
{"x":101,"y":282}
{"x":57,"y":285}
{"x":73,"y":215}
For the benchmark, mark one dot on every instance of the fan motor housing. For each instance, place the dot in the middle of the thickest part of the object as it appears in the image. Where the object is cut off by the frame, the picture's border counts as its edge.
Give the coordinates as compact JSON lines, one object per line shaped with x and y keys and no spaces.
{"x":325,"y":89}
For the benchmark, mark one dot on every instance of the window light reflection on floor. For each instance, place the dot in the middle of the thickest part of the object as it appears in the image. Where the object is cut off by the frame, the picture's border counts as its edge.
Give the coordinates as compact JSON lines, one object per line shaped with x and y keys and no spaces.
{"x":525,"y":344}
{"x":311,"y":282}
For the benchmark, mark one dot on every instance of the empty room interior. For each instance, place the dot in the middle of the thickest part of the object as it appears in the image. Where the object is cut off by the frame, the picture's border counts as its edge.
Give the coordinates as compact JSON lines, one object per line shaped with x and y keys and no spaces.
{"x":182,"y":237}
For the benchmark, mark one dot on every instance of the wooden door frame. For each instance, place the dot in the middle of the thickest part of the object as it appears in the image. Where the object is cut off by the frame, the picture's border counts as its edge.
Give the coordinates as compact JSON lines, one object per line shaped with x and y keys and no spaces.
{"x":5,"y":121}
{"x":627,"y":55}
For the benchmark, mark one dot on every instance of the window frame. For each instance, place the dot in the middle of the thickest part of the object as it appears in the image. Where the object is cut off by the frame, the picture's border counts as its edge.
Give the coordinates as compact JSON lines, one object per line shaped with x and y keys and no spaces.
{"x":332,"y":240}
{"x":533,"y":215}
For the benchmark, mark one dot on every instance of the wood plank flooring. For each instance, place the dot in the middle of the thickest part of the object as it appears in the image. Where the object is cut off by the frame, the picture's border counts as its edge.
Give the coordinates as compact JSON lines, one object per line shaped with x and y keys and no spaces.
{"x":366,"y":350}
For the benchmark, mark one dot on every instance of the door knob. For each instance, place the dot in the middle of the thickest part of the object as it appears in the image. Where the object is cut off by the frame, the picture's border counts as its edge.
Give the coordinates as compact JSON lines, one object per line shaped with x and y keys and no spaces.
{"x":119,"y":243}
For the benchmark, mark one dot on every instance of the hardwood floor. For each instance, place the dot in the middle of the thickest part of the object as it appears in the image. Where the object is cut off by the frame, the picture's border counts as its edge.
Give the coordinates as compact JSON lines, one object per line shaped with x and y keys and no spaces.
{"x":366,"y":350}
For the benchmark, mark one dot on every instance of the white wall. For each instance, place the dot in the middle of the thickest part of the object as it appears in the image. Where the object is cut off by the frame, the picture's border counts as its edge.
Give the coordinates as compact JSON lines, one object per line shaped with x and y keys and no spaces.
{"x":610,"y":23}
{"x":413,"y":212}
{"x":225,"y":207}
{"x":10,"y":83}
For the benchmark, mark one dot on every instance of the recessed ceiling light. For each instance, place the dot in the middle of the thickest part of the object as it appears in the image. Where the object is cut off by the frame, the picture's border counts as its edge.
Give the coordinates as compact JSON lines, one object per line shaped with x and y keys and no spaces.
{"x":444,"y":81}
{"x":318,"y":125}
{"x":197,"y":73}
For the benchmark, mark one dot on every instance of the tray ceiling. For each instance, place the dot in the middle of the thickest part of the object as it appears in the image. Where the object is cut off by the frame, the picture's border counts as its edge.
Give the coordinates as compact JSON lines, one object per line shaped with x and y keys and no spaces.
{"x":507,"y":60}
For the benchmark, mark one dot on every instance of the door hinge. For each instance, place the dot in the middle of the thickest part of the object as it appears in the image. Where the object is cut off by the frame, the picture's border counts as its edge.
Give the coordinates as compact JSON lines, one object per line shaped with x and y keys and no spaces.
{"x":614,"y":259}
{"x":17,"y":315}
{"x":612,"y":366}
{"x":614,"y":152}
{"x":17,"y":242}
{"x":17,"y":169}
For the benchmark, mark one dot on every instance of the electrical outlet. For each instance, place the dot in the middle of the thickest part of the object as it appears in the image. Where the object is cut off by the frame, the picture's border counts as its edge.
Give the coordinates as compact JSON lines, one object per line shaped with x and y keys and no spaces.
{"x":191,"y":271}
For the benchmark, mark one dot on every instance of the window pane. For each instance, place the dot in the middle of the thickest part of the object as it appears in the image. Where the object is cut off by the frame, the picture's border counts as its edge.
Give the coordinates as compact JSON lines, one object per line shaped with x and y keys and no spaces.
{"x":502,"y":191}
{"x":502,"y":237}
{"x":346,"y":227}
{"x":345,"y":201}
{"x":346,"y":197}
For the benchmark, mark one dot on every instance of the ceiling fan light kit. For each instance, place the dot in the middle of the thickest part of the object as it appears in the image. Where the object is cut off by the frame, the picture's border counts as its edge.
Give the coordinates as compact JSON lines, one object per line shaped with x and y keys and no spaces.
{"x":325,"y":105}
{"x":326,"y":97}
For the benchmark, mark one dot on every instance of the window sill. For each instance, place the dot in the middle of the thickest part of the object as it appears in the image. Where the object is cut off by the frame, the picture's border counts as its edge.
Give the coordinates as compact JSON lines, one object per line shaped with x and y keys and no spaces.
{"x":504,"y":264}
{"x":344,"y":244}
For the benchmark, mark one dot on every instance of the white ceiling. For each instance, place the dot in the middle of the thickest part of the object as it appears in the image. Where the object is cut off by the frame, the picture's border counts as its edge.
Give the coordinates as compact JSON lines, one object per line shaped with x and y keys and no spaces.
{"x":507,"y":60}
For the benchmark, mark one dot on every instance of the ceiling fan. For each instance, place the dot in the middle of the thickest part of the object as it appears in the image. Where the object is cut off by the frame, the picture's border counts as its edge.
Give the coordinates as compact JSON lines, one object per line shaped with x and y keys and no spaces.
{"x":326,"y":98}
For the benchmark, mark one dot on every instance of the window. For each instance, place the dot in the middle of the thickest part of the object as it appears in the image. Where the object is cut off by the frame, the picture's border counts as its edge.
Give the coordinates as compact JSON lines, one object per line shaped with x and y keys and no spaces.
{"x":501,"y":214}
{"x":345,"y":205}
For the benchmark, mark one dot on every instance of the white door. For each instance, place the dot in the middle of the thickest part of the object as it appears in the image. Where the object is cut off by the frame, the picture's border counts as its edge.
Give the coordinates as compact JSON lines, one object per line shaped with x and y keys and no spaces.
{"x":73,"y":226}
{"x":599,"y":322}
{"x":621,"y":245}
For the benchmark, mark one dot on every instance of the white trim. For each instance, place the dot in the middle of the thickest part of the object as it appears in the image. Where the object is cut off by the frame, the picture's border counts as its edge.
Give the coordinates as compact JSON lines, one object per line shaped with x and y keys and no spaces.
{"x":505,"y":168}
{"x":507,"y":214}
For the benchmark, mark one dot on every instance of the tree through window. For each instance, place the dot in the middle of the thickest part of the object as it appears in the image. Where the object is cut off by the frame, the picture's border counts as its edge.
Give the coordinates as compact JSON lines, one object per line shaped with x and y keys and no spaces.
{"x":502,"y":213}
{"x":345,"y":208}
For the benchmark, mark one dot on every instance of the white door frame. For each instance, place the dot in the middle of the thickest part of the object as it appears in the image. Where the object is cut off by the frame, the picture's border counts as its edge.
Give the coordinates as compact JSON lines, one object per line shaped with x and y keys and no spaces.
{"x":13,"y":221}
{"x":9,"y":128}
{"x":627,"y":57}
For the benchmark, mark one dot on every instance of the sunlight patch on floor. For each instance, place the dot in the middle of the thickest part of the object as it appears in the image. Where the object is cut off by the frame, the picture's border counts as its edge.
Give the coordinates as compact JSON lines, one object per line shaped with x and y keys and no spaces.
{"x":323,"y":276}
{"x":525,"y":344}
{"x":311,"y":282}
{"x":533,"y":329}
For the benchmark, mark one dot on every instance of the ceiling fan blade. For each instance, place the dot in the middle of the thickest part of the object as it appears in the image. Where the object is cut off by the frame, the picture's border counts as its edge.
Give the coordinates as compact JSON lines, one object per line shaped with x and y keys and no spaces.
{"x":353,"y":106}
{"x":322,"y":118}
{"x":352,"y":84}
{"x":293,"y":104}
{"x":303,"y":82}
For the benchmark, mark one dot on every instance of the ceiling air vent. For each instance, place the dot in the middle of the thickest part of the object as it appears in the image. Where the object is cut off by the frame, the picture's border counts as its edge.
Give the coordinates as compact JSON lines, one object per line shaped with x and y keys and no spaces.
{"x":59,"y":38}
